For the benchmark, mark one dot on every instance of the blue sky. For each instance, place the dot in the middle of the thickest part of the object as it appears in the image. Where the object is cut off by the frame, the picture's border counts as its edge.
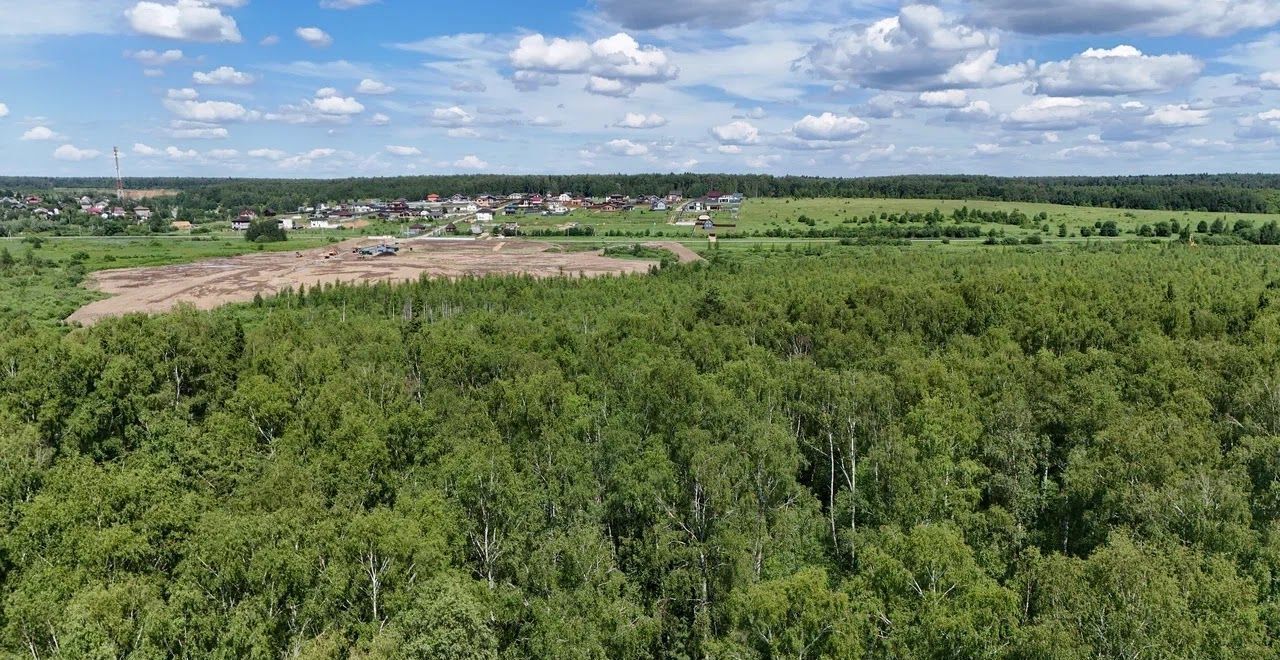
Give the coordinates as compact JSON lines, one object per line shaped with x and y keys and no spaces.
{"x":329,"y":88}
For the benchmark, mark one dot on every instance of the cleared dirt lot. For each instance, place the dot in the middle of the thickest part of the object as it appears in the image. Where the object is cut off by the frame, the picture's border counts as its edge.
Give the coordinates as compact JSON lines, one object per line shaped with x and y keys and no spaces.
{"x":215,"y":282}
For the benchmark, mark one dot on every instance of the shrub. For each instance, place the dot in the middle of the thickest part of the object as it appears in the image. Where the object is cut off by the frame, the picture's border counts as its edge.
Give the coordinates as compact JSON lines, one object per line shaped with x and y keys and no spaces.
{"x":266,"y":231}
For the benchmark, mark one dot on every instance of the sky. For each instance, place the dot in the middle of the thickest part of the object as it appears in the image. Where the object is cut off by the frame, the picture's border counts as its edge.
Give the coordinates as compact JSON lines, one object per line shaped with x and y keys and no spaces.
{"x":338,"y":88}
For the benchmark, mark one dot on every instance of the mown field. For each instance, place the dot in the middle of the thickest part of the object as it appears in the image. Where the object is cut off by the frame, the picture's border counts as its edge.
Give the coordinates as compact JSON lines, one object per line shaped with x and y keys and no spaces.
{"x":798,"y":215}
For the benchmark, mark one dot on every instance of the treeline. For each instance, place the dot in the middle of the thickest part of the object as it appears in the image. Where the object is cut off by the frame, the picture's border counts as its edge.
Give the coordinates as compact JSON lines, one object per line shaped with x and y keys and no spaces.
{"x":847,"y":453}
{"x":1226,"y":193}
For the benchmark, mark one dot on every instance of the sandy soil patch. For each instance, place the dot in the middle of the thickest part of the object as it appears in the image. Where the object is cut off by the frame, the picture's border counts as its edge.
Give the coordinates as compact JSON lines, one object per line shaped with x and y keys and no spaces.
{"x":215,"y":282}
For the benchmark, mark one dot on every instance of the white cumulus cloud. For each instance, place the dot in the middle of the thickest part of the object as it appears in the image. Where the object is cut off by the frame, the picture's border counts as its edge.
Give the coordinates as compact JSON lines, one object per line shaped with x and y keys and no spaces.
{"x":1120,"y":70}
{"x":922,"y":48}
{"x":736,"y":133}
{"x":626,"y":148}
{"x":41,"y":133}
{"x":1177,"y":116}
{"x":70,"y":152}
{"x":156,"y":58}
{"x":206,"y":111}
{"x":470,"y":163}
{"x":975,"y":111}
{"x":267,"y":154}
{"x":336,"y":105}
{"x":370,"y":86}
{"x":314,"y":37}
{"x":949,"y":98}
{"x":223,"y":75}
{"x":610,"y":87}
{"x":616,"y":64}
{"x":451,"y":117}
{"x":829,"y":127}
{"x":641,"y":120}
{"x":187,"y":20}
{"x":1052,"y":113}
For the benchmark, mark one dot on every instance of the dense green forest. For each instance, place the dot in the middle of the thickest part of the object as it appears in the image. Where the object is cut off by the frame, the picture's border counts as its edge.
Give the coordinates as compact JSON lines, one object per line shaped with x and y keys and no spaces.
{"x":1226,"y":193}
{"x":875,"y":452}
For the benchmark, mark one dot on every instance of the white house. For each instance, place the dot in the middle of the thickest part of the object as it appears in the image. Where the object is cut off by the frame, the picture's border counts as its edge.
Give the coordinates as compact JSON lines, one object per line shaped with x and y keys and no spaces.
{"x":484,"y":216}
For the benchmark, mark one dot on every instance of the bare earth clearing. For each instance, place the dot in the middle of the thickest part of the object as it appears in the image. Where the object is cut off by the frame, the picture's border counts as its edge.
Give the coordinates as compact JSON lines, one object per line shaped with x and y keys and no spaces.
{"x":215,"y":282}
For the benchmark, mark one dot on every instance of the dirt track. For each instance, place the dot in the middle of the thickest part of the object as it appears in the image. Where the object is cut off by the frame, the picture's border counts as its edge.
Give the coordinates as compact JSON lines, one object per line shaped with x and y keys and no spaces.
{"x":215,"y":282}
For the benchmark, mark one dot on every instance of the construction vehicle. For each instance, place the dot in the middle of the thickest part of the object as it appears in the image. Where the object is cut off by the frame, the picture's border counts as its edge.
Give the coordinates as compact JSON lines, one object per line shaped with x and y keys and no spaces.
{"x":383,"y":250}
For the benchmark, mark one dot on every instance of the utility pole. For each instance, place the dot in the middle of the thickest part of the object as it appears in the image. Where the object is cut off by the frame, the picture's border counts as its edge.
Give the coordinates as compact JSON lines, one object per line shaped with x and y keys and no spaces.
{"x":119,"y":179}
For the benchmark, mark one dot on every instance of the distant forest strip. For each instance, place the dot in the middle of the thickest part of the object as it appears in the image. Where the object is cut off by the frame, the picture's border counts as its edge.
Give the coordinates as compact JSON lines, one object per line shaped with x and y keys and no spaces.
{"x":1225,"y":193}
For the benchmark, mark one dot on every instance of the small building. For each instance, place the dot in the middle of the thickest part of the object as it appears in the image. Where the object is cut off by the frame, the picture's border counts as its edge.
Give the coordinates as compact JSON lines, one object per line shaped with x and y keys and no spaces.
{"x":415,"y":230}
{"x":248,"y":215}
{"x":659,"y":205}
{"x":181,"y":225}
{"x":451,"y":228}
{"x":240,"y":224}
{"x":484,"y":216}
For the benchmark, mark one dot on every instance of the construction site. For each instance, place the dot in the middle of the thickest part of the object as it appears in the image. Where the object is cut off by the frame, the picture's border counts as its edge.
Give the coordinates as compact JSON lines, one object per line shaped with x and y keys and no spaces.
{"x":215,"y":282}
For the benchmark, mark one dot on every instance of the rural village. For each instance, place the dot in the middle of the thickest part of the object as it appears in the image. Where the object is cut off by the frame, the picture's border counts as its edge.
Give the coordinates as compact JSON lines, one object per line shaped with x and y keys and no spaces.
{"x":433,"y":214}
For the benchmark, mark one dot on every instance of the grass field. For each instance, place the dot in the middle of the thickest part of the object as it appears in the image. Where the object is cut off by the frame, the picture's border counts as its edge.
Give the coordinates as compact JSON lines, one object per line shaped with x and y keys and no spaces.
{"x":761,"y":215}
{"x":43,"y":284}
{"x":100,"y":253}
{"x":764,"y":213}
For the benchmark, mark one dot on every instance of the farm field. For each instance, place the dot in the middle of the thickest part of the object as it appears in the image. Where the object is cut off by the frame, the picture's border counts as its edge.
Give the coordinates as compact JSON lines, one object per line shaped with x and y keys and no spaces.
{"x":763,"y":214}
